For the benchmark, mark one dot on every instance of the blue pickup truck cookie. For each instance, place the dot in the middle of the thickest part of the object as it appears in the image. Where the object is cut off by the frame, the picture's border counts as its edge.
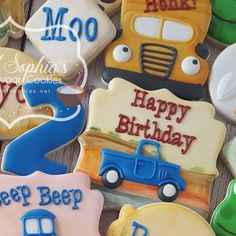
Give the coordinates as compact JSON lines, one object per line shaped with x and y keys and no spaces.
{"x":117,"y":166}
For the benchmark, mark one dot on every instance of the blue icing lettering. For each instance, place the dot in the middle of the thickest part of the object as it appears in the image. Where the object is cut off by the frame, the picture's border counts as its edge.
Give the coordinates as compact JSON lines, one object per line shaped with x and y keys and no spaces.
{"x":58,"y":22}
{"x":65,"y":126}
{"x":65,"y":197}
{"x":91,"y":21}
{"x":15,"y":195}
{"x":25,"y":193}
{"x":71,"y":33}
{"x":90,"y":26}
{"x":73,"y":196}
{"x":44,"y":195}
{"x":77,"y":197}
{"x":5,"y":198}
{"x":139,"y":228}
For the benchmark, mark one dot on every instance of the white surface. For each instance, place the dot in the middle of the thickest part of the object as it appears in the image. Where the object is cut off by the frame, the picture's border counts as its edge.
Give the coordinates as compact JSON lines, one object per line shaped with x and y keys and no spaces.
{"x":222,"y":83}
{"x":47,"y":226}
{"x":112,"y":176}
{"x":188,"y":67}
{"x":169,"y":190}
{"x":119,"y":55}
{"x":148,"y":26}
{"x":32,"y":226}
{"x":176,"y":31}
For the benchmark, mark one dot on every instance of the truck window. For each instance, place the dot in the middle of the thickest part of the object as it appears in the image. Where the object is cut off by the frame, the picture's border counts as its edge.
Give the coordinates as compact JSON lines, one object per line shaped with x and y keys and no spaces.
{"x":32,"y":226}
{"x":175,"y":31}
{"x":47,"y":226}
{"x":147,"y":26}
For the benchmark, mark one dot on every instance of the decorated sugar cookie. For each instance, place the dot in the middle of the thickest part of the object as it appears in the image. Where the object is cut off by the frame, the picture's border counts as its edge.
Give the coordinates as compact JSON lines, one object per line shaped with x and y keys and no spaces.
{"x":66,"y":124}
{"x":12,"y":10}
{"x":229,"y":155}
{"x":152,"y":146}
{"x":109,"y":6}
{"x":223,"y":23}
{"x":159,"y":219}
{"x":223,"y":219}
{"x":41,"y":204}
{"x":160,"y":46}
{"x":16,"y":117}
{"x":69,"y":33}
{"x":222,"y":83}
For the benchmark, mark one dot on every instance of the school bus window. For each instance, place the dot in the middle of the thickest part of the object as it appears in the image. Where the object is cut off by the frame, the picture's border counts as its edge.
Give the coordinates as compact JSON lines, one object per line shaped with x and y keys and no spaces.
{"x":147,"y":26}
{"x":175,"y":31}
{"x":47,"y":226}
{"x":32,"y":226}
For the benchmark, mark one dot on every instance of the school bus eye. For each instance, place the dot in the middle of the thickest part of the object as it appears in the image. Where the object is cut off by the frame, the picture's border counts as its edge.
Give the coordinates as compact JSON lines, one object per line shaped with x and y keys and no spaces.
{"x":122,"y":53}
{"x":190,"y":65}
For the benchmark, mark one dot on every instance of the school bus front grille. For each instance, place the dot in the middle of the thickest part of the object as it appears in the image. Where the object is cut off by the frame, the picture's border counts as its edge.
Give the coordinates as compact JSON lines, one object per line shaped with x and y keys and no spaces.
{"x":157,"y":59}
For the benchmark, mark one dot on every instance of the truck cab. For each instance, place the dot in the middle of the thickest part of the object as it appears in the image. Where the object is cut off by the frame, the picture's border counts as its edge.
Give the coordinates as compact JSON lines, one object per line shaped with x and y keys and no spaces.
{"x":161,"y":47}
{"x":38,"y":222}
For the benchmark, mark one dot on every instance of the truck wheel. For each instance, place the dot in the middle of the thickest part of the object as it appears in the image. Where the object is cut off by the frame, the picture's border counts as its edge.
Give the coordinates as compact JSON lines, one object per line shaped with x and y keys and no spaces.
{"x":111,"y":178}
{"x":168,"y":193}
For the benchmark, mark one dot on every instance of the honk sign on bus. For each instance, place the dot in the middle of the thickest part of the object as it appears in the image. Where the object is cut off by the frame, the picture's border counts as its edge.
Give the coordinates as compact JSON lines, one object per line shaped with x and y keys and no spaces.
{"x":41,"y":204}
{"x":150,"y":145}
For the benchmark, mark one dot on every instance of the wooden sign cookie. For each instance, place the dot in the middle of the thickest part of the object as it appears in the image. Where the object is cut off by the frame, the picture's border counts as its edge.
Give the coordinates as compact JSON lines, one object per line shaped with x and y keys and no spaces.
{"x":116,"y":153}
{"x":14,"y":10}
{"x":16,"y":117}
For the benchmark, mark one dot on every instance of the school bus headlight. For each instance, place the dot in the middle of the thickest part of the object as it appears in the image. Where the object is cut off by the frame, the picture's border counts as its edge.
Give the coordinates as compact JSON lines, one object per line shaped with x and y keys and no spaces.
{"x":190,"y":65}
{"x":122,"y":53}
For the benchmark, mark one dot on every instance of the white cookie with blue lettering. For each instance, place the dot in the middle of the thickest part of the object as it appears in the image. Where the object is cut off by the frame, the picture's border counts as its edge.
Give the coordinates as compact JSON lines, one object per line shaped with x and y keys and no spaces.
{"x":69,"y":33}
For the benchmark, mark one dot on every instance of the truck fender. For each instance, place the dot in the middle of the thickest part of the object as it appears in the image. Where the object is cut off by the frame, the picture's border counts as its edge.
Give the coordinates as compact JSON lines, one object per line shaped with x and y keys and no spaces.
{"x":116,"y":167}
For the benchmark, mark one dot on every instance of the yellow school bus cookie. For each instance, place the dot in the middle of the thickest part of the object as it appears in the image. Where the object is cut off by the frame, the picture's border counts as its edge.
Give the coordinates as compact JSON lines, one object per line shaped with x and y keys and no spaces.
{"x":159,"y":220}
{"x":160,"y":46}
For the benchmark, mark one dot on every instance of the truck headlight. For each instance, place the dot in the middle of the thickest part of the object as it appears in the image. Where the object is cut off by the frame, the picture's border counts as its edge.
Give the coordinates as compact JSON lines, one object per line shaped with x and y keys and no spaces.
{"x":190,"y":65}
{"x":122,"y":53}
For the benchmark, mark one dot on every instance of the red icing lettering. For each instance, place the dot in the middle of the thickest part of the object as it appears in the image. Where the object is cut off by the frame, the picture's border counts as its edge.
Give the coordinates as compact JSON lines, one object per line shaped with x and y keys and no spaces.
{"x":172,"y":110}
{"x":173,"y":5}
{"x":169,"y":5}
{"x":184,"y":110}
{"x":5,"y":90}
{"x":151,"y":104}
{"x":185,"y":6}
{"x":152,"y":131}
{"x":151,"y":6}
{"x":189,"y":140}
{"x":139,"y":98}
{"x":18,"y":93}
{"x":123,"y":124}
{"x":161,"y":108}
